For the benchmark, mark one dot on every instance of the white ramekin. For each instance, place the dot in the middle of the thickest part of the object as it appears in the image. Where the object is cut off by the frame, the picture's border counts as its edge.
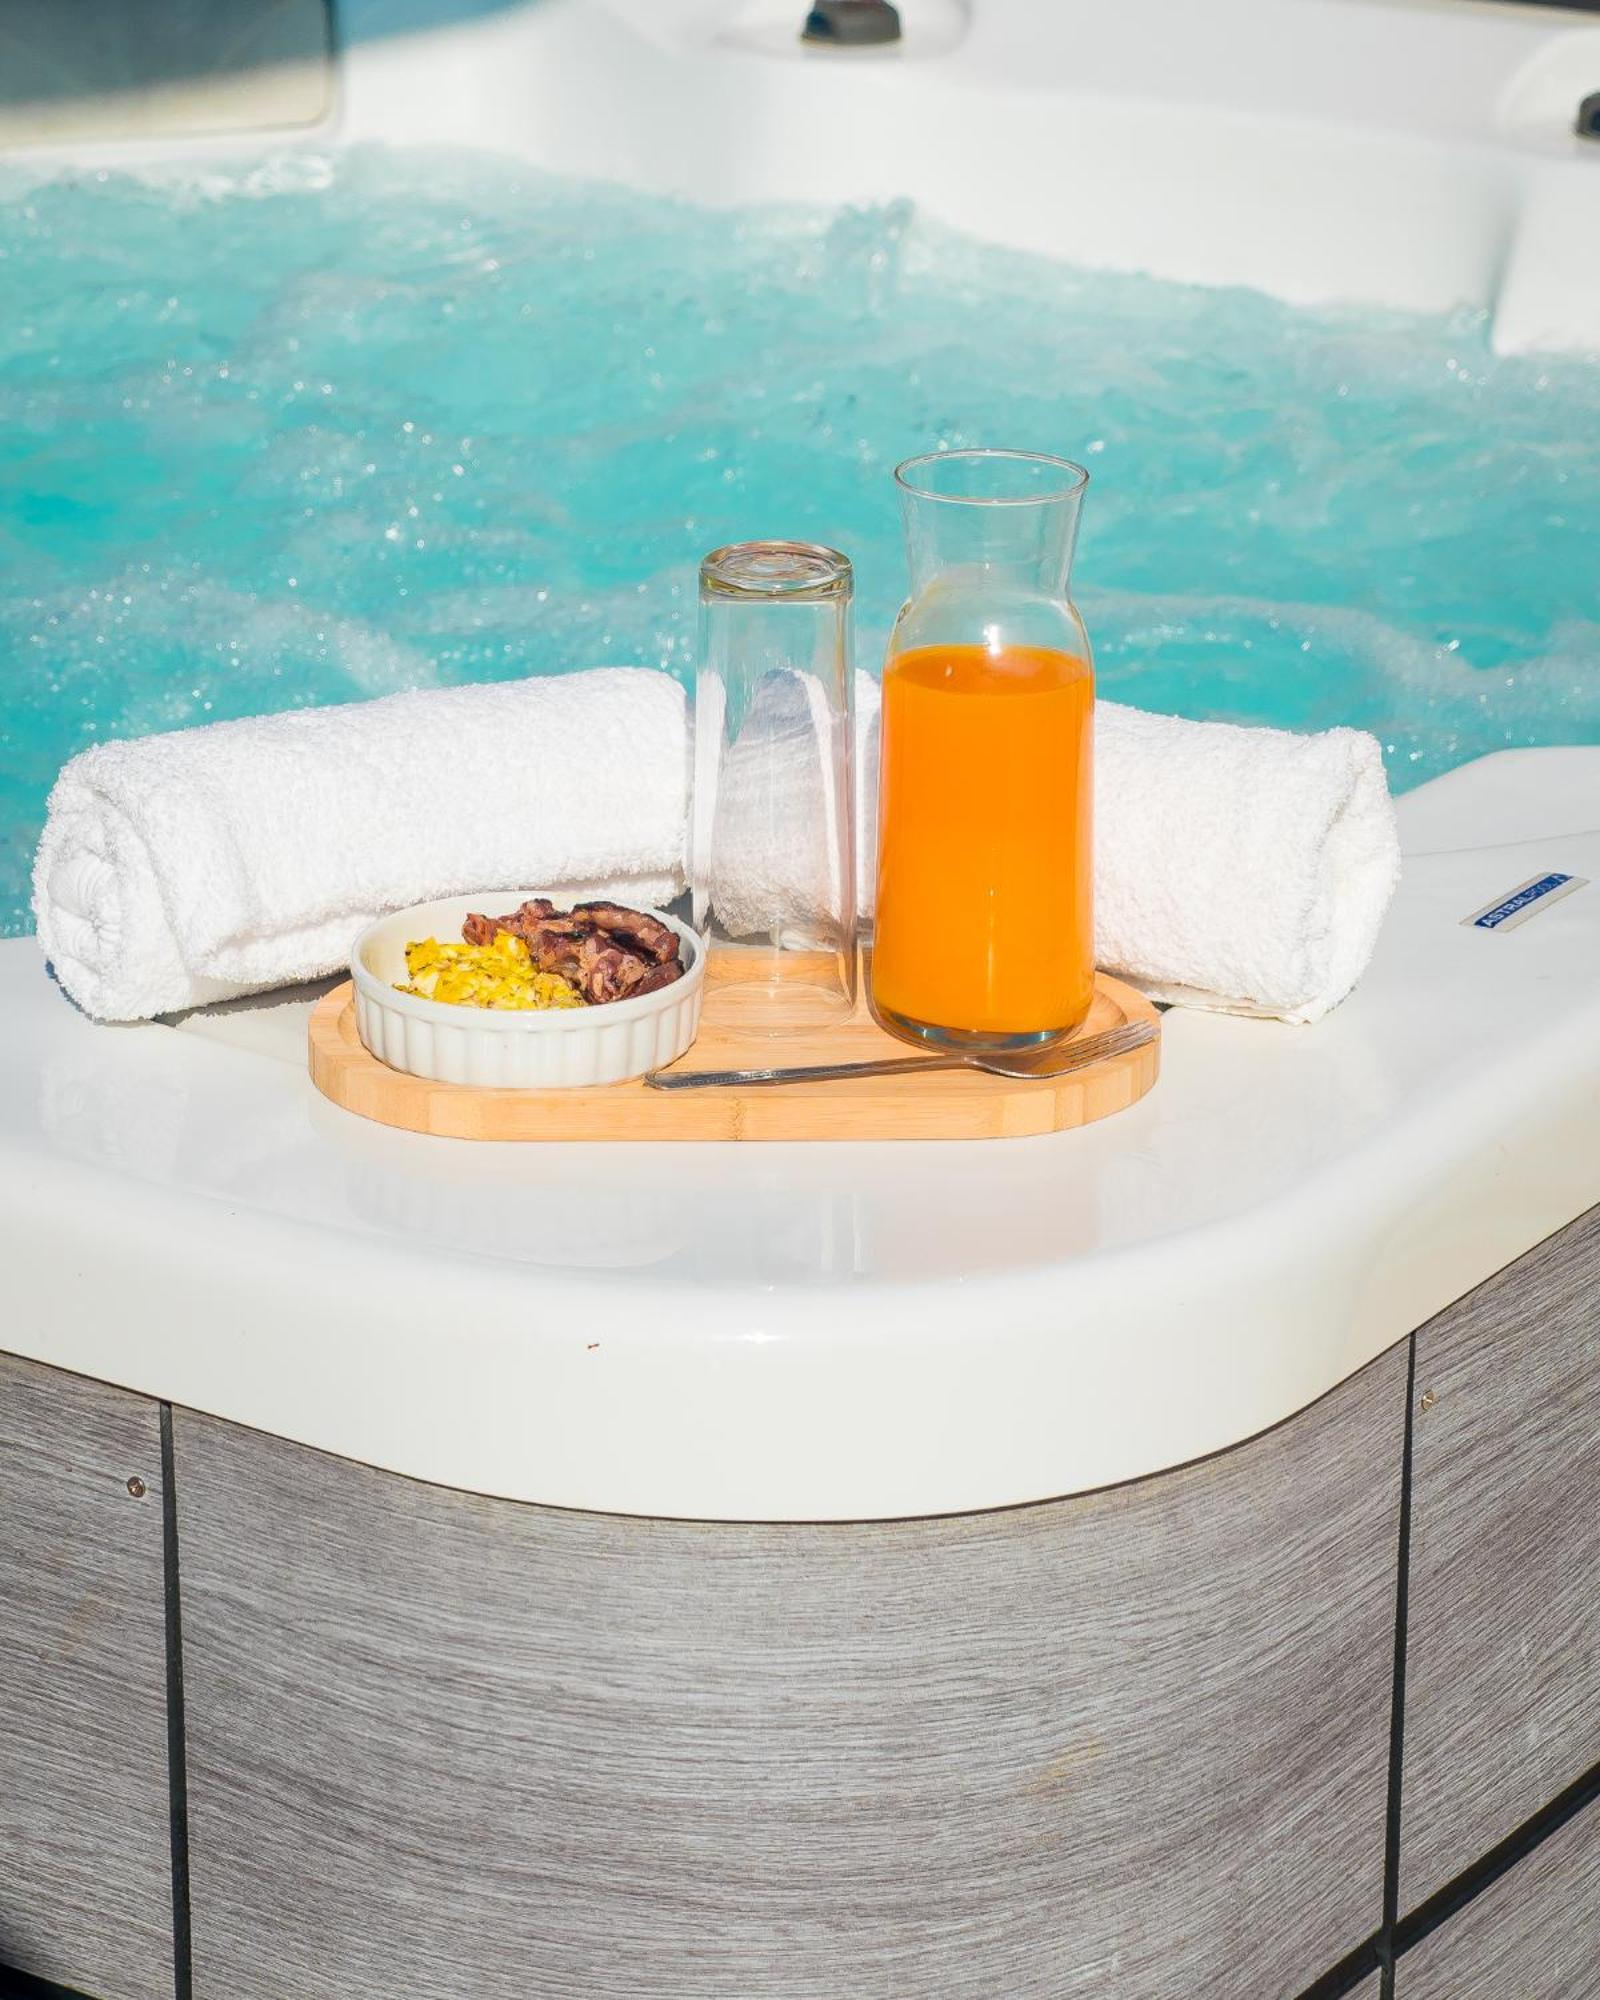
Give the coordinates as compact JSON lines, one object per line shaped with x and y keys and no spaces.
{"x":563,"y":1048}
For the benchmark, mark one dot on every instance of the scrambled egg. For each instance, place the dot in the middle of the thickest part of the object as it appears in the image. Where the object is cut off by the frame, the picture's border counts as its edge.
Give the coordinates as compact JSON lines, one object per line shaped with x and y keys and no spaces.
{"x":500,"y":974}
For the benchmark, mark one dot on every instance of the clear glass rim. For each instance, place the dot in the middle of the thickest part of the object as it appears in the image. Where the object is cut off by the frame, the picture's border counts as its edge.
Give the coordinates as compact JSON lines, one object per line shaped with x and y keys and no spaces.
{"x":911,"y":476}
{"x":774,"y":569}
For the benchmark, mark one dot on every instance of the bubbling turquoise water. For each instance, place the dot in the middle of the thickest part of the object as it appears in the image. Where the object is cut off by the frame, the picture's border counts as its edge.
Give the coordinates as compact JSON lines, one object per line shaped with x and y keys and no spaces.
{"x":342,"y":427}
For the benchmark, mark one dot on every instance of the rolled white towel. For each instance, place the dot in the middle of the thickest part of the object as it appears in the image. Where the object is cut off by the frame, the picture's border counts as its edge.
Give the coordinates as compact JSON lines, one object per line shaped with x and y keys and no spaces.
{"x":1241,"y":869}
{"x":195,"y":866}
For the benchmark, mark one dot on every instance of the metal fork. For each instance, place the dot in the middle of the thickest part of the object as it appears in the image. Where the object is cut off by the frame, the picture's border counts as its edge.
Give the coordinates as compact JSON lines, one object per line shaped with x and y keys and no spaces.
{"x":1053,"y":1059}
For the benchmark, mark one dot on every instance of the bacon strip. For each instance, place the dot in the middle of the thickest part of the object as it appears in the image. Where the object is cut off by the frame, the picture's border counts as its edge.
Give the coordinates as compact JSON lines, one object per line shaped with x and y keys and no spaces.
{"x":605,"y":951}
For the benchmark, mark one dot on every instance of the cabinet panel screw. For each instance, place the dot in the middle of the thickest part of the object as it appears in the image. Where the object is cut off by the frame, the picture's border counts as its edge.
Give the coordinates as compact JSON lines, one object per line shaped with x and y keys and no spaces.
{"x":136,"y":1487}
{"x":1427,"y":1401}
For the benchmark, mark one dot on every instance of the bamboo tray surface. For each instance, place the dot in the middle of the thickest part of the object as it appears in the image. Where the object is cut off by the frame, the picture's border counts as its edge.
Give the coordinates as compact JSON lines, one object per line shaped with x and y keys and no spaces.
{"x":945,"y":1104}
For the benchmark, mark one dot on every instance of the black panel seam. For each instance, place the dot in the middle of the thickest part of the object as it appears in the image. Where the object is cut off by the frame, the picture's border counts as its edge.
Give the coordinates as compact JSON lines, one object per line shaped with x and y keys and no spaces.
{"x":15,"y":1985}
{"x":177,"y":1743}
{"x":1397,"y":1700}
{"x":1499,"y":1861}
{"x":1348,"y":1974}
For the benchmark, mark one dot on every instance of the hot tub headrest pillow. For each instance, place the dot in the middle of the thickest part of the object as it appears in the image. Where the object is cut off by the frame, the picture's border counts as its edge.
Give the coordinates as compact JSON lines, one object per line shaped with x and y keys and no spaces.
{"x":1237,"y":868}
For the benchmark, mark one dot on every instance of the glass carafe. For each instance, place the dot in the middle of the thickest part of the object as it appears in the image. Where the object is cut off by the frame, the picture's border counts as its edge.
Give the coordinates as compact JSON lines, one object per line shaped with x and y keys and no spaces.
{"x":984,"y":928}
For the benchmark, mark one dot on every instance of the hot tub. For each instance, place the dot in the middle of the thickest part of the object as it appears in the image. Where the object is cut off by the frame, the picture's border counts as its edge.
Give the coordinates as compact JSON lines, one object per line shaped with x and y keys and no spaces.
{"x":1156,"y":1559}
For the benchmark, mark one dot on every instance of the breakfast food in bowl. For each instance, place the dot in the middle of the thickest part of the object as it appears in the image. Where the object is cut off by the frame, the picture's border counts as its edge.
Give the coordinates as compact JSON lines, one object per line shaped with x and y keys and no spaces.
{"x":540,"y":997}
{"x":539,"y":956}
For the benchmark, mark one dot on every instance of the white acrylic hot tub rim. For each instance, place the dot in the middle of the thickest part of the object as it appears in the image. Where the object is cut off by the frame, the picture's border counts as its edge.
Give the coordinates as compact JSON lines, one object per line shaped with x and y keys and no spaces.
{"x":570,"y":1048}
{"x":831,"y":1333}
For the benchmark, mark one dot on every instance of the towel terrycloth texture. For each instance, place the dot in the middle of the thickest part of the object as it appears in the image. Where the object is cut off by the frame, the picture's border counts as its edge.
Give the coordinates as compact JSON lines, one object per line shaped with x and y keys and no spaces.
{"x":1245,"y":869}
{"x":195,"y":866}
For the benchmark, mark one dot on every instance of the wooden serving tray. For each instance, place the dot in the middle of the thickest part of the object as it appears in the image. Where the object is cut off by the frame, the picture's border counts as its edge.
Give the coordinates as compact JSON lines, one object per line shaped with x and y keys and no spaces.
{"x":946,"y":1104}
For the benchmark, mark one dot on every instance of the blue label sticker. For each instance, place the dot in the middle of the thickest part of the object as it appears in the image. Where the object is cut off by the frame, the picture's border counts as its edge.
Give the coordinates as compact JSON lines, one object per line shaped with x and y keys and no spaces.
{"x":1527,"y":900}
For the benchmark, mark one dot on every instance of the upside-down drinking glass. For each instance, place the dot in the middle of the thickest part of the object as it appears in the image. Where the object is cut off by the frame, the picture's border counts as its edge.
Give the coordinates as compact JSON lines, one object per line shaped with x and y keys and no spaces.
{"x":983,"y":930}
{"x":772,"y":840}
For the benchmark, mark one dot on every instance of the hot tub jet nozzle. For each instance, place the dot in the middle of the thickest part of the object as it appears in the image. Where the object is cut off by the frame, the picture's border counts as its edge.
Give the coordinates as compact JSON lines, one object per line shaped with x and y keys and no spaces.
{"x":852,"y":24}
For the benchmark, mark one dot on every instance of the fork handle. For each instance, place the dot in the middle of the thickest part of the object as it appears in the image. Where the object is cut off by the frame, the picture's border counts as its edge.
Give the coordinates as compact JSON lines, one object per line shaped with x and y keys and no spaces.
{"x":1093,"y":1049}
{"x":705,"y":1079}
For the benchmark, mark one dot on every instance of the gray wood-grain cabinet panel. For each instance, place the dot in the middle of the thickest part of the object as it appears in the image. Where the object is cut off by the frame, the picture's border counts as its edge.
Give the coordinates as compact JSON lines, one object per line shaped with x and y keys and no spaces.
{"x":1533,"y":1935}
{"x":1129,"y":1744}
{"x":1503,"y":1653}
{"x":85,"y":1871}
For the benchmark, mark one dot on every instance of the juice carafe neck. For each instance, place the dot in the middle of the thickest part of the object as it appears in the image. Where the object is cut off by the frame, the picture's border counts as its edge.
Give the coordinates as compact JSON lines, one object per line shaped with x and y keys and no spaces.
{"x":990,"y":537}
{"x":1017,"y":547}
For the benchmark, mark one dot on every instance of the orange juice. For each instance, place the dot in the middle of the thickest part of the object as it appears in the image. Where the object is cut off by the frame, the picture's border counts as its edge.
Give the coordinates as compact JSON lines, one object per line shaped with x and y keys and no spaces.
{"x":984,"y":918}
